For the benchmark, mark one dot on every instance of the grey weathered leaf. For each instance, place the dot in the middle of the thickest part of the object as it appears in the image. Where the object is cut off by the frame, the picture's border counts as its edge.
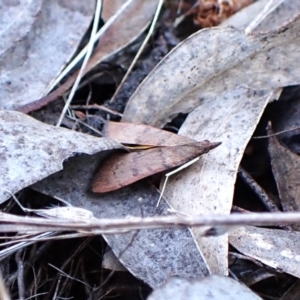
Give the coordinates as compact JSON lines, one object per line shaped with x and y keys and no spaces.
{"x":119,"y":31}
{"x":279,"y":249}
{"x":228,"y":79}
{"x":207,"y":186}
{"x":213,"y":287}
{"x":38,"y":37}
{"x":214,"y":62}
{"x":31,"y":150}
{"x":153,"y":255}
{"x":264,"y":15}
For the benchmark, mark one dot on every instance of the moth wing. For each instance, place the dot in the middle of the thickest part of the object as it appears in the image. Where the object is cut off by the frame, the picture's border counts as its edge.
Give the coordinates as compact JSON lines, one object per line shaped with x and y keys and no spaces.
{"x":122,"y":169}
{"x":135,"y":134}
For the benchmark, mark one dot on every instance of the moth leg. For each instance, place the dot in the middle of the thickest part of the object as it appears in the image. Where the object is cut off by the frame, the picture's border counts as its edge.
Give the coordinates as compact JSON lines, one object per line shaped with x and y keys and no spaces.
{"x":174,"y":172}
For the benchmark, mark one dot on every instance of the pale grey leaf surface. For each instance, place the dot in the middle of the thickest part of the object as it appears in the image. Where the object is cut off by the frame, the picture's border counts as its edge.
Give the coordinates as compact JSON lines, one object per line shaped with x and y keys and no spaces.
{"x":267,"y":15}
{"x":231,"y":77}
{"x":213,"y":287}
{"x":153,"y":255}
{"x":213,"y":62}
{"x":38,"y":37}
{"x":243,"y":17}
{"x":208,"y":185}
{"x":279,"y":249}
{"x":31,"y":150}
{"x":111,"y":262}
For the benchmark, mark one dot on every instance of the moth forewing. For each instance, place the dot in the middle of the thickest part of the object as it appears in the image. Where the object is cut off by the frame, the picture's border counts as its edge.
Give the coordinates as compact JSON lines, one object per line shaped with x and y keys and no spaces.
{"x":139,"y":134}
{"x":122,"y":169}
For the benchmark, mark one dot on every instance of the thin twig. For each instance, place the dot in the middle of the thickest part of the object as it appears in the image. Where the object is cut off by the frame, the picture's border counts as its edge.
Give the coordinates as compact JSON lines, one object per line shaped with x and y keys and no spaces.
{"x":89,"y":51}
{"x":158,"y":9}
{"x":83,"y":52}
{"x":99,"y":107}
{"x":86,"y":125}
{"x":277,"y":133}
{"x":262,"y":195}
{"x":258,"y":190}
{"x":119,"y":257}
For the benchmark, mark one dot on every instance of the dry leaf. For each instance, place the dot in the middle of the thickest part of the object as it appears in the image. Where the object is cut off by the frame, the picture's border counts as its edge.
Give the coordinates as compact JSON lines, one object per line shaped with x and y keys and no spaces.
{"x":110,"y":7}
{"x":207,"y":186}
{"x":111,"y":262}
{"x":213,"y":79}
{"x":186,"y":77}
{"x":31,"y":150}
{"x":213,"y":287}
{"x":153,"y":255}
{"x":213,"y":12}
{"x":293,"y":293}
{"x":286,"y":171}
{"x":37,"y":39}
{"x":265,"y":15}
{"x":119,"y":31}
{"x":278,"y":249}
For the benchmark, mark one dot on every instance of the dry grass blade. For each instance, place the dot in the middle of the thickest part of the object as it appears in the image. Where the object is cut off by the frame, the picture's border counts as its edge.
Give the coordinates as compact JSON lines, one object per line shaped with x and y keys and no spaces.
{"x":89,"y":51}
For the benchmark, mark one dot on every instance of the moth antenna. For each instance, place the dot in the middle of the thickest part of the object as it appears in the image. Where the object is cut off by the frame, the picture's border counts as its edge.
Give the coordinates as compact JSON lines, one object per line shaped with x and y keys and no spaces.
{"x":174,"y":172}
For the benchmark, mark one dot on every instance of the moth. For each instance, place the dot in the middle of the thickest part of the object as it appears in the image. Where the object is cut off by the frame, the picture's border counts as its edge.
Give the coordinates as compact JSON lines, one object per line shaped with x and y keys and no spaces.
{"x":155,"y":151}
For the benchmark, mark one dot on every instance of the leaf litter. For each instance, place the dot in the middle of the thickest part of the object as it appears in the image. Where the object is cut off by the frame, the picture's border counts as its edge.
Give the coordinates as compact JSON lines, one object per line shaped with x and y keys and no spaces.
{"x":27,"y":145}
{"x":208,"y":92}
{"x":252,"y":61}
{"x":31,"y":32}
{"x":114,"y":37}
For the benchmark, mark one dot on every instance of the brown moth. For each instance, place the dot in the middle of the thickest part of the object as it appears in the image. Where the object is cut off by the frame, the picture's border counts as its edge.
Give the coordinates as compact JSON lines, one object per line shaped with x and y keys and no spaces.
{"x":164,"y":151}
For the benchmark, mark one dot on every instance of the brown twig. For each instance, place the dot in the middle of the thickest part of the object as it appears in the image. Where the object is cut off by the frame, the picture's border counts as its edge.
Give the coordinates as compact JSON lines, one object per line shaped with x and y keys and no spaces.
{"x":99,"y":107}
{"x":258,"y":190}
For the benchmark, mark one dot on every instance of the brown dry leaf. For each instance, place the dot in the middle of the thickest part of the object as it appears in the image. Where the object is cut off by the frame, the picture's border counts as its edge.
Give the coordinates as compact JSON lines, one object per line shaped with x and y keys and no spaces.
{"x":132,"y":21}
{"x":278,"y":249}
{"x":213,"y":12}
{"x":211,"y":288}
{"x":37,"y":39}
{"x":117,"y":33}
{"x":31,"y":150}
{"x":110,"y":7}
{"x":225,"y":81}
